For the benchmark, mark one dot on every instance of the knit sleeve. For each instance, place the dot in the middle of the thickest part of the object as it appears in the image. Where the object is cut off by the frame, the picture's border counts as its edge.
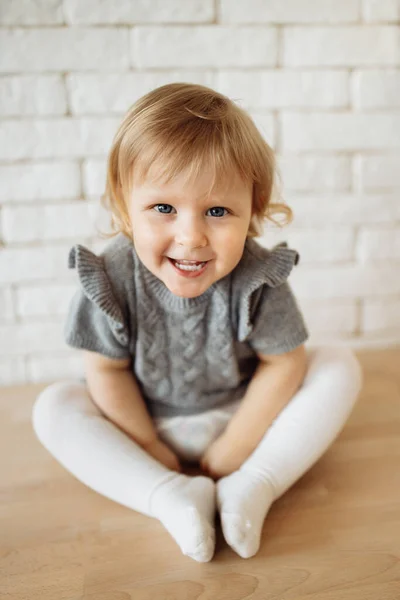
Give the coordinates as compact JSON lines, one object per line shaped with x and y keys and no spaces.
{"x":95,"y":320}
{"x":270,"y":320}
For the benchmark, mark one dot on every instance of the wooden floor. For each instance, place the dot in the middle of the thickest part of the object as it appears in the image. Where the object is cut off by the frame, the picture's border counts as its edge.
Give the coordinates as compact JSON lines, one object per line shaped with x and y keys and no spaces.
{"x":334,"y":536}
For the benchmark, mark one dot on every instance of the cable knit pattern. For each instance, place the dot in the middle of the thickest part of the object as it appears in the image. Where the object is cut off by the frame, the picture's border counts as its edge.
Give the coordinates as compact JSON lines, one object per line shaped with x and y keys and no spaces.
{"x":192,"y":350}
{"x":189,"y":354}
{"x":152,"y":360}
{"x":188,"y":350}
{"x":221,"y":358}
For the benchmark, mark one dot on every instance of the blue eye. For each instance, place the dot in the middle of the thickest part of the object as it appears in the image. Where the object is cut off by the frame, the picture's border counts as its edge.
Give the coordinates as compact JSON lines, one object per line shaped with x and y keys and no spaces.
{"x":218,"y":211}
{"x":164,"y":208}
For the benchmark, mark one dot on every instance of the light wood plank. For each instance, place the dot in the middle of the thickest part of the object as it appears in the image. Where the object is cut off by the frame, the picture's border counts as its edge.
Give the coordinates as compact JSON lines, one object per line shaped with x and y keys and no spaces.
{"x":334,"y":535}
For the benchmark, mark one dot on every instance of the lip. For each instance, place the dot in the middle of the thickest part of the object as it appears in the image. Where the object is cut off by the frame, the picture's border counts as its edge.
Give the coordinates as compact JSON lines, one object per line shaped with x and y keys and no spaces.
{"x":188,"y":274}
{"x":186,"y":259}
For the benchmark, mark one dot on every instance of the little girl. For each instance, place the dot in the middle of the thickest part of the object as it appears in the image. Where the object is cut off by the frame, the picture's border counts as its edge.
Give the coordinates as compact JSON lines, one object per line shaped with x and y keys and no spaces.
{"x":193,"y":341}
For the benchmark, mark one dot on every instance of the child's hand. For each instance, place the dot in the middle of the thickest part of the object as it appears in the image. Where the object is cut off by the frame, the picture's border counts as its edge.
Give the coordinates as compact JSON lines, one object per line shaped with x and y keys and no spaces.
{"x":163,"y":454}
{"x":222,"y":458}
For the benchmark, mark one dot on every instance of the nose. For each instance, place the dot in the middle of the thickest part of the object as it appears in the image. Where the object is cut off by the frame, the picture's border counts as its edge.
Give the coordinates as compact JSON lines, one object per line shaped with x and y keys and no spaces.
{"x":190,"y":232}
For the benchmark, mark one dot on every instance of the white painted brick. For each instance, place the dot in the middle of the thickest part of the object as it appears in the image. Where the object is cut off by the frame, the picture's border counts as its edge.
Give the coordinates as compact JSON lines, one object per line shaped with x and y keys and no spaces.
{"x":94,"y":176}
{"x":304,"y":173}
{"x":376,"y":88}
{"x":266,"y":125}
{"x":289,"y":11}
{"x":325,"y":317}
{"x":99,"y":217}
{"x":96,"y":94}
{"x":345,"y":281}
{"x":97,"y":245}
{"x":96,"y":135}
{"x":342,"y":209}
{"x":43,"y":300}
{"x":381,"y":243}
{"x":375,"y":342}
{"x":138,"y":11}
{"x":7,"y":313}
{"x":275,"y":89}
{"x":23,"y":338}
{"x":208,"y":46}
{"x":324,"y":245}
{"x":341,"y":46}
{"x":42,"y":368}
{"x":56,"y":138}
{"x":377,"y":171}
{"x":31,"y":12}
{"x":19,"y":265}
{"x":342,"y":131}
{"x":380,"y":10}
{"x":381,"y":315}
{"x":53,"y":222}
{"x":64,"y":49}
{"x":12,"y":371}
{"x":32,"y":95}
{"x":39,"y":181}
{"x":347,"y":340}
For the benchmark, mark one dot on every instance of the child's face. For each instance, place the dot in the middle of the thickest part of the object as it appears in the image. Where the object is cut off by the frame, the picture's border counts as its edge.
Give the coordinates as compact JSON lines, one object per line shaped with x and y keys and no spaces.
{"x":172,"y":222}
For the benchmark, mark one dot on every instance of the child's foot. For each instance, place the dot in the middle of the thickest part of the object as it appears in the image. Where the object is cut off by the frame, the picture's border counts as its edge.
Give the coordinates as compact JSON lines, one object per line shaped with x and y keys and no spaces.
{"x":186,"y":506}
{"x":243,"y":501}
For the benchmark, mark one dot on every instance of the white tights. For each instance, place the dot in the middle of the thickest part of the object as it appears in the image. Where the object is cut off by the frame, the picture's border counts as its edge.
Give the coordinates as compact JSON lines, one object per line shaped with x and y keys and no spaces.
{"x":97,"y":453}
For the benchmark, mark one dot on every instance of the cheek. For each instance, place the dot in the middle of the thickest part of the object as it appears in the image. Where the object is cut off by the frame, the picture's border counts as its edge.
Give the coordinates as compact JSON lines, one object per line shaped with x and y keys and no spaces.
{"x":232,"y":240}
{"x":143,"y":229}
{"x":149,"y":239}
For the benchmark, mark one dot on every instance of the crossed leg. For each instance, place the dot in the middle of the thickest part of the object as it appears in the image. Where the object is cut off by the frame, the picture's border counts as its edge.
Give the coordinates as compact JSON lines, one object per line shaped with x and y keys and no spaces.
{"x":101,"y":456}
{"x":297,"y":438}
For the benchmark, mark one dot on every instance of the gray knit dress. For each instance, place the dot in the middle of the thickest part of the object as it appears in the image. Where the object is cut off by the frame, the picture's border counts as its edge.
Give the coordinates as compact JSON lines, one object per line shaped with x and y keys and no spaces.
{"x":189,"y":355}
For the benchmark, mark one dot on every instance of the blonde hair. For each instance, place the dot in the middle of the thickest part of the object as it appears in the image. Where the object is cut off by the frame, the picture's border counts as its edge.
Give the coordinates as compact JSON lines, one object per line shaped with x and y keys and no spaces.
{"x":184,"y":128}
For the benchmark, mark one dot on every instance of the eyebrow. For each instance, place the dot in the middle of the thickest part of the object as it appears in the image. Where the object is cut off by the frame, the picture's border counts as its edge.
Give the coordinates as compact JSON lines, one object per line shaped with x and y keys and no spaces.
{"x":170,"y":198}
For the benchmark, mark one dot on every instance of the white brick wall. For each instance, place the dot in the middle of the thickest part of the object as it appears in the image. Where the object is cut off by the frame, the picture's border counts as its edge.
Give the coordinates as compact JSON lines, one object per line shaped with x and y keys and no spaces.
{"x":383,"y":317}
{"x":352,"y":46}
{"x":43,"y":223}
{"x":341,"y":131}
{"x":22,"y":95}
{"x":274,"y":89}
{"x":64,"y":49}
{"x":106,"y":94}
{"x":95,"y":12}
{"x":376,"y":89}
{"x":25,"y":139}
{"x":381,"y":11}
{"x":289,"y":11}
{"x":381,"y":243}
{"x":377,"y":171}
{"x":34,"y":181}
{"x":204,"y":46}
{"x":321,"y":79}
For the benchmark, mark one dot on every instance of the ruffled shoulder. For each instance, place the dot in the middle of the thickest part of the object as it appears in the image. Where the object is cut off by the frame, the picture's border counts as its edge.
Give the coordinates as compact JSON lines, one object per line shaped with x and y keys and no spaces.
{"x":97,"y":287}
{"x":258,"y":268}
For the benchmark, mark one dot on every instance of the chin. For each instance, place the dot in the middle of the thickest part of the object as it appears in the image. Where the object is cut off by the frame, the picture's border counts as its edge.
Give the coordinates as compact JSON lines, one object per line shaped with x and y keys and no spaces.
{"x":182,"y":293}
{"x":187,"y":294}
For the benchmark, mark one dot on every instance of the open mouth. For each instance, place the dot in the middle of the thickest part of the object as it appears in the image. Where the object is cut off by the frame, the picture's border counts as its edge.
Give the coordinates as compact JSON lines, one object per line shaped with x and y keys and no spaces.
{"x":188,"y":267}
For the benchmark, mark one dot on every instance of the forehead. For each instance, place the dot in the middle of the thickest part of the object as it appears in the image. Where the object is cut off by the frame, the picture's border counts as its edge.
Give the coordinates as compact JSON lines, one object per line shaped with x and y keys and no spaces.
{"x":195,"y":188}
